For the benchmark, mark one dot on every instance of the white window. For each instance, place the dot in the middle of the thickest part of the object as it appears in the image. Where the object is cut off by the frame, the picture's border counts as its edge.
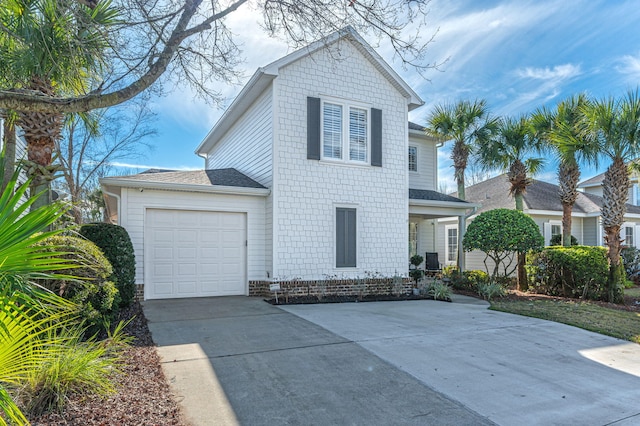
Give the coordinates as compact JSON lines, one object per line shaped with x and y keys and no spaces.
{"x":345,"y":129}
{"x":413,"y":158}
{"x":451,"y":248}
{"x":629,"y":239}
{"x":551,"y":228}
{"x":413,"y":239}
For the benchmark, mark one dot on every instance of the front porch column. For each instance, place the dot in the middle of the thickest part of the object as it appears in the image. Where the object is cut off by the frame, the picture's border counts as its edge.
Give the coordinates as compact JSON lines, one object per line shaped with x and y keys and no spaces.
{"x":462,"y":227}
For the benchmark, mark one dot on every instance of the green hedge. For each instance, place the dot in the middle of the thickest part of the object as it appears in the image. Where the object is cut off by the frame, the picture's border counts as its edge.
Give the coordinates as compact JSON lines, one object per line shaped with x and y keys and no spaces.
{"x":93,"y":290}
{"x":116,"y":245}
{"x":577,"y":271}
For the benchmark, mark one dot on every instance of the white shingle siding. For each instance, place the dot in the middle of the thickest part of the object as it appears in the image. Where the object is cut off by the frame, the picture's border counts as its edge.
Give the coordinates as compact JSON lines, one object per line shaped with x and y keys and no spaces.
{"x":426,"y":176}
{"x":307,"y":192}
{"x":246,"y":147}
{"x":135,"y":203}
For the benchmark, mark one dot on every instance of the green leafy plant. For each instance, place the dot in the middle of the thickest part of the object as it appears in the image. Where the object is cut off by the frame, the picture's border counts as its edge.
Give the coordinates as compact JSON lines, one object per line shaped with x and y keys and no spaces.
{"x":91,"y":288}
{"x":415,"y":273}
{"x":578,"y":271}
{"x":631,"y":261}
{"x":438,"y":290}
{"x":115,"y":243}
{"x":491,"y":290}
{"x":500,"y":234}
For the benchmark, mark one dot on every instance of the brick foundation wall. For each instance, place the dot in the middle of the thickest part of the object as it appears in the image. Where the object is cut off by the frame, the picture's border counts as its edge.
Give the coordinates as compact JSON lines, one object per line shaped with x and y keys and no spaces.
{"x":344,"y":287}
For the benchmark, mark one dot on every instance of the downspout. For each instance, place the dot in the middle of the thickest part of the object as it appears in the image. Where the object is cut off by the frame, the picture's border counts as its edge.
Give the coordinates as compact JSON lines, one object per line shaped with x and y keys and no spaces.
{"x":117,"y":197}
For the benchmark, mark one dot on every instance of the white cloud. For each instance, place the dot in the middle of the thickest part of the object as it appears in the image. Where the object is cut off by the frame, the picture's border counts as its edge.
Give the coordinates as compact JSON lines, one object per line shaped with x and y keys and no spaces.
{"x":630,"y":66}
{"x":147,"y":166}
{"x":557,"y":73}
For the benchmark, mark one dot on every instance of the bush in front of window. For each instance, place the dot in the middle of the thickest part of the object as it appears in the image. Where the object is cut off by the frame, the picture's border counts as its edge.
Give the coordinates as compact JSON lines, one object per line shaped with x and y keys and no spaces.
{"x":501,"y":234}
{"x":556,"y":240}
{"x":578,"y":271}
{"x":631,"y":261}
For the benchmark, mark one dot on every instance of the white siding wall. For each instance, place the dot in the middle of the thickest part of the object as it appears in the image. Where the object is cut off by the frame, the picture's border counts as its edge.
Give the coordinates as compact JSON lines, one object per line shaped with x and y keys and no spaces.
{"x":307,"y":192}
{"x":596,"y":190}
{"x":590,"y":231}
{"x":134,"y":204}
{"x":427,"y":175}
{"x":246,"y":147}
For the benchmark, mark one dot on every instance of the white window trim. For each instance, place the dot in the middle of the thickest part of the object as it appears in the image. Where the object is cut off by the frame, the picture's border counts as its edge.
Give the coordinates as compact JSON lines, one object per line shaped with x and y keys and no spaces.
{"x":417,"y":156}
{"x":623,"y":236}
{"x":358,"y":209}
{"x":346,"y":105}
{"x":547,"y":230}
{"x":446,"y":243}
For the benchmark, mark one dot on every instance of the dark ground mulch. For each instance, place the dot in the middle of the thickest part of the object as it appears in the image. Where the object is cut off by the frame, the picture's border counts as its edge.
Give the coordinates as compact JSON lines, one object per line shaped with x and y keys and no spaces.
{"x":630,"y":303}
{"x":143,"y":396}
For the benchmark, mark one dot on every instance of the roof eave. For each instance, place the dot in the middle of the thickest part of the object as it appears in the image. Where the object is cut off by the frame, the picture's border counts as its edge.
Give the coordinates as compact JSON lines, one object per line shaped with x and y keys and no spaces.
{"x":439,"y":203}
{"x":185,"y":187}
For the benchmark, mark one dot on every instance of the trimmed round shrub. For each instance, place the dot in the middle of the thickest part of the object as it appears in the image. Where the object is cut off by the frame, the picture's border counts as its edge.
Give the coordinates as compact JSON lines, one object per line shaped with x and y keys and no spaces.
{"x":500,"y":233}
{"x":116,"y":245}
{"x":91,"y":287}
{"x":556,"y":240}
{"x":578,"y":271}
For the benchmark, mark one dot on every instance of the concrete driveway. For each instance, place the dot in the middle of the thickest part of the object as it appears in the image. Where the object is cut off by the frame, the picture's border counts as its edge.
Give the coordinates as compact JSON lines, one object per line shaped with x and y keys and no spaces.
{"x":238,"y":360}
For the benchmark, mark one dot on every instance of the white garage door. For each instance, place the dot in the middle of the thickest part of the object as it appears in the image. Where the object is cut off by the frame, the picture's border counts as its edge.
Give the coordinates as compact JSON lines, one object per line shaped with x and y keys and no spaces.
{"x":194,"y":254}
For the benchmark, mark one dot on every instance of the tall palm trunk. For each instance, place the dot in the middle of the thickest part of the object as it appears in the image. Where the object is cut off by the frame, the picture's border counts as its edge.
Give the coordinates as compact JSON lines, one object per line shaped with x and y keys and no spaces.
{"x":568,"y":178}
{"x":615,"y":193}
{"x":41,"y":130}
{"x":517,"y":176}
{"x":460,"y":156}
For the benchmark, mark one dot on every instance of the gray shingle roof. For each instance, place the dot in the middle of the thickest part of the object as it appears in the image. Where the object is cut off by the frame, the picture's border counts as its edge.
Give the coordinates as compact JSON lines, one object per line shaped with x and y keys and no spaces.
{"x":414,"y":126}
{"x":218,"y":177}
{"x":494,"y":193}
{"x":425,"y":194}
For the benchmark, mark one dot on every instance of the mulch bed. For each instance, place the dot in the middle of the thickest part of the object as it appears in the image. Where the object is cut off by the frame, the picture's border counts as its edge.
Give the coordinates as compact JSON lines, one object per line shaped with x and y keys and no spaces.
{"x":630,"y":303}
{"x":143,"y":396}
{"x":307,"y":300}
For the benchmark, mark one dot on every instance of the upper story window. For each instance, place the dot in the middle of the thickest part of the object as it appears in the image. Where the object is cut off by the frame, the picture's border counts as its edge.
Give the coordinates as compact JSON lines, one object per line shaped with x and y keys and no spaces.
{"x":345,"y":132}
{"x":413,"y":158}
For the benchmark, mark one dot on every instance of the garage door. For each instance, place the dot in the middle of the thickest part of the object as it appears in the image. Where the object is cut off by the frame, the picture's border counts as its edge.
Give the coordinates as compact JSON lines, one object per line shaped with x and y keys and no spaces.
{"x":194,"y":254}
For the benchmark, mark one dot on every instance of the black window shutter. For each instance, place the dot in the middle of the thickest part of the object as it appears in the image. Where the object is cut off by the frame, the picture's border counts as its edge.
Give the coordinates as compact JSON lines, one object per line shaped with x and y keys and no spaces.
{"x":376,"y":137}
{"x":313,"y":128}
{"x":346,"y":238}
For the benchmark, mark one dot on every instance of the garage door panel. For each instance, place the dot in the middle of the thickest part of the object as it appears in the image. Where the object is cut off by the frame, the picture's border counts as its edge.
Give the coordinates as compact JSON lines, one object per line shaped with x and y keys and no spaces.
{"x":192,"y":253}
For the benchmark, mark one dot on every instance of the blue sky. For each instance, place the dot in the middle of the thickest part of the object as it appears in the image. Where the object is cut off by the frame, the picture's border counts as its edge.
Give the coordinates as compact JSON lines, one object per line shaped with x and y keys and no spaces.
{"x":518,"y":55}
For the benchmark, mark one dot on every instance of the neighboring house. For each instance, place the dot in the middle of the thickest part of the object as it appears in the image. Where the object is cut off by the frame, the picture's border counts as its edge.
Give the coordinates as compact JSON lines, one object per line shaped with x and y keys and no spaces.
{"x":21,"y":147}
{"x":312,"y":173}
{"x":594,"y":186}
{"x":542,"y":203}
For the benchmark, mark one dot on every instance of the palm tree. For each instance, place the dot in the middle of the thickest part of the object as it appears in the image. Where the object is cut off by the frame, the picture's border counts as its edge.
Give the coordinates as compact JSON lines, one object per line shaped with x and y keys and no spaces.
{"x":615,"y":125}
{"x":563,"y":131}
{"x":50,"y":47}
{"x":511,"y":153}
{"x":467,"y":124}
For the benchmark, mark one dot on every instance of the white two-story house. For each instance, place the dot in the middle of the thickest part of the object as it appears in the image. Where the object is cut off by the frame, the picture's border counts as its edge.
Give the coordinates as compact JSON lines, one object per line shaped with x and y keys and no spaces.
{"x":312,"y":173}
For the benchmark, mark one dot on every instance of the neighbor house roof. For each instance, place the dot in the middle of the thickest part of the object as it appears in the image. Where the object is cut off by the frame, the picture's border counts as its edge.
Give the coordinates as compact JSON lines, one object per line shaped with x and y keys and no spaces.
{"x":265,"y":75}
{"x":218,"y":180}
{"x":597,"y":180}
{"x":494,"y":193}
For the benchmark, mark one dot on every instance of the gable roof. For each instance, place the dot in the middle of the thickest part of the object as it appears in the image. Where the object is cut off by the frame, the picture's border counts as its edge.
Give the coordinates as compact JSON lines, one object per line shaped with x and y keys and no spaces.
{"x":598,"y":179}
{"x":217,"y":180}
{"x":494,"y":193}
{"x":426,"y":194}
{"x":263,"y":77}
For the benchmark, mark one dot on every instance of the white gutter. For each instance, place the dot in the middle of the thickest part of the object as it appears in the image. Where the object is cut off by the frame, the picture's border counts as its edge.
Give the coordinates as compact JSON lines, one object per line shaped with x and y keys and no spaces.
{"x":437,"y":203}
{"x":187,"y":187}
{"x":117,"y":197}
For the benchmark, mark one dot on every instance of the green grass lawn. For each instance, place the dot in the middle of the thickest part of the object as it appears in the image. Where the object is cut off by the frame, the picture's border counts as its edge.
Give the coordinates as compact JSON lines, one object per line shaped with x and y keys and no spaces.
{"x":612,"y":322}
{"x":632,"y":292}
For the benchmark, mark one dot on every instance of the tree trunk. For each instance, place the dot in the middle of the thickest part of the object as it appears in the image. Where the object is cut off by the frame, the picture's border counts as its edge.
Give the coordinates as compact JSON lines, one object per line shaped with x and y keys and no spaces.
{"x":9,"y":143}
{"x":523,"y":284}
{"x":615,"y":194}
{"x":519,"y":202}
{"x":566,"y":224}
